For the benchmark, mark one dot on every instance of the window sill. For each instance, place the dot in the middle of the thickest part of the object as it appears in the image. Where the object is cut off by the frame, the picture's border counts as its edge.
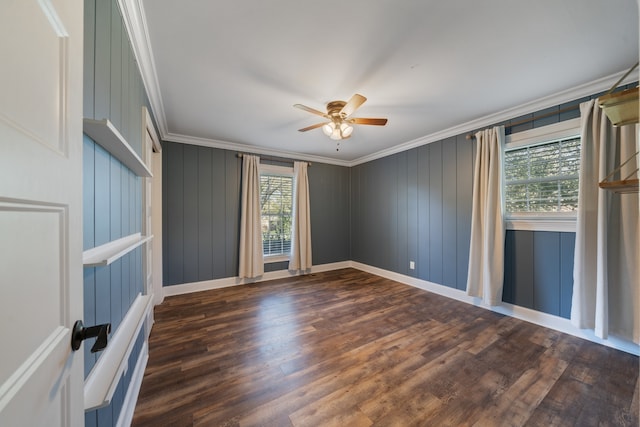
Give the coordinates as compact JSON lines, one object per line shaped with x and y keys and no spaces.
{"x":561,"y":225}
{"x":275,"y":258}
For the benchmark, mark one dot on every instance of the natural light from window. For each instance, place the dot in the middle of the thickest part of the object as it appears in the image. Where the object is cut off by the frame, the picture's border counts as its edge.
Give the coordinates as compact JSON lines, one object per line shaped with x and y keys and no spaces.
{"x":541,"y":177}
{"x":276,"y":202}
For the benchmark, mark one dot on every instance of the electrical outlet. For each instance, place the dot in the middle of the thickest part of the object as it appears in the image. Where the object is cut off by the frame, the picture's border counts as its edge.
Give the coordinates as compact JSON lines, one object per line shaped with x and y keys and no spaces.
{"x":412,"y":265}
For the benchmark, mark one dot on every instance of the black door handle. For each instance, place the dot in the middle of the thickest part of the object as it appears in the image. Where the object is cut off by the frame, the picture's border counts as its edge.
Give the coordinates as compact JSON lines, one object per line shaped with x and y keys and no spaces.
{"x":81,"y":333}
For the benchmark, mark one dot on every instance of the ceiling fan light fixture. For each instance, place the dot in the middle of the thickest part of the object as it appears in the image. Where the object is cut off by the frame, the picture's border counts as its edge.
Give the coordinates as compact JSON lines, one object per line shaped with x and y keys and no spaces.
{"x":329,"y":128}
{"x":345,"y":130}
{"x":339,"y":116}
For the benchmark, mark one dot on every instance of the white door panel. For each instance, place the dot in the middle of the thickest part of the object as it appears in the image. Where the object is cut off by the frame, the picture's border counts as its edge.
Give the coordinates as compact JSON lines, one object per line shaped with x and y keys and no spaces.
{"x":41,"y":379}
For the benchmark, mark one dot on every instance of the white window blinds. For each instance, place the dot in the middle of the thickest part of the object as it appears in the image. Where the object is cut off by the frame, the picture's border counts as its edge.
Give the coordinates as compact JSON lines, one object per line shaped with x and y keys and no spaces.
{"x":542,"y":177}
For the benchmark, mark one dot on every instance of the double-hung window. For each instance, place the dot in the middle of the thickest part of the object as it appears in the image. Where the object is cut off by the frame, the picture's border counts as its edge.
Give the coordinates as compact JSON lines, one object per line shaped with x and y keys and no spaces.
{"x":541,"y":169}
{"x":276,"y":207}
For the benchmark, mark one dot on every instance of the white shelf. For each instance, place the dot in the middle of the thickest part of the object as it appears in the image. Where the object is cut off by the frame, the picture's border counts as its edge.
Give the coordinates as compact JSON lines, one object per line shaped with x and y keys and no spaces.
{"x":105,"y":133}
{"x":109,"y":252}
{"x":105,"y":375}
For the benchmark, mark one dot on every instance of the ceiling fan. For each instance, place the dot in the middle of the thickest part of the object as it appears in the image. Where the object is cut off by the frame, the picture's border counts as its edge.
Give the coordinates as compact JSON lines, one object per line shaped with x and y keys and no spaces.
{"x":339,"y":115}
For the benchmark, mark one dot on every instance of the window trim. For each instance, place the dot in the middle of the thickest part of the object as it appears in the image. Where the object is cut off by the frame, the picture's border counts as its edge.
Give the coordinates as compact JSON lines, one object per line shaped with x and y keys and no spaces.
{"x":540,"y":221}
{"x":266,"y":169}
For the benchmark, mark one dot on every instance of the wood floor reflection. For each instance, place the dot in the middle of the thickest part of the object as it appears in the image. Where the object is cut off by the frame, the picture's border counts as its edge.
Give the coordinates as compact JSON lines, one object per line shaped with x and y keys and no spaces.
{"x":347,"y":348}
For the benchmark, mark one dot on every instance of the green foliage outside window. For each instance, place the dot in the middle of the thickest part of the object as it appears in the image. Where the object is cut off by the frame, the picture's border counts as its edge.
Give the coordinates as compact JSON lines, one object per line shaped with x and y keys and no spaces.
{"x":543,"y":178}
{"x":276,"y":202}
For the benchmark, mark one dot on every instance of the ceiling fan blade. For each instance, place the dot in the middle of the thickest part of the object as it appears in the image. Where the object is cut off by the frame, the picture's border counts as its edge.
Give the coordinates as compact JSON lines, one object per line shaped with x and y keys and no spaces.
{"x":317,"y":125}
{"x":353,"y":104}
{"x":366,"y":121}
{"x":311,"y":110}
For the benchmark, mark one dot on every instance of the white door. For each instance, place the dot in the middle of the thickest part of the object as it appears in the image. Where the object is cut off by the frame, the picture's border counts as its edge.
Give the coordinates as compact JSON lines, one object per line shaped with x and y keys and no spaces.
{"x":41,"y":378}
{"x":147,"y":225}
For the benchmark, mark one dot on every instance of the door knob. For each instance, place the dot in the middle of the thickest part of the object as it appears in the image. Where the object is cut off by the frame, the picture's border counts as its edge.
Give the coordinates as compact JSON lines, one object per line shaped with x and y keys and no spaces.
{"x":80,"y":333}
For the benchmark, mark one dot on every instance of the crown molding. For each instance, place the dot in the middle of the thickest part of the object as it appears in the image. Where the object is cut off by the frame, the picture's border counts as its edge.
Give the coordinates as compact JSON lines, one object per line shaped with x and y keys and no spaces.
{"x":568,"y":95}
{"x":252,"y":149}
{"x":135,"y":23}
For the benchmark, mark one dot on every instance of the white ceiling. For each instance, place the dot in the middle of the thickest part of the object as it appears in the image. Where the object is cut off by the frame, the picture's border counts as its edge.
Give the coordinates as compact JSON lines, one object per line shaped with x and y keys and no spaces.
{"x":227,"y":73}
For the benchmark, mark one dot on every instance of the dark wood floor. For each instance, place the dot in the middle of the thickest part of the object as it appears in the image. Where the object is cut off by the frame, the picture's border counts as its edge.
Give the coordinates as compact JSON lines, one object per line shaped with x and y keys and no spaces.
{"x":346,"y":348}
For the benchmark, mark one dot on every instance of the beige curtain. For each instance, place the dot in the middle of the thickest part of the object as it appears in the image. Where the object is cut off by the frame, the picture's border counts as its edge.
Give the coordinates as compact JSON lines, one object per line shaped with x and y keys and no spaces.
{"x":301,"y":227}
{"x":251,"y":258}
{"x":606,"y":273}
{"x":486,"y":250}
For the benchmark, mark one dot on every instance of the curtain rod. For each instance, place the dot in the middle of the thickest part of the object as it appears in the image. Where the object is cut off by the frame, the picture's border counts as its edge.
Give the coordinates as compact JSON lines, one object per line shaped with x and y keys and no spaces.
{"x":278,"y":159}
{"x":531,"y":119}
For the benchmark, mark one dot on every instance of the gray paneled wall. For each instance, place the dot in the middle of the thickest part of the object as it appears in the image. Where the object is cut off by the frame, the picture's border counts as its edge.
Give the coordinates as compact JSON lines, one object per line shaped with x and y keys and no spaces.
{"x":329,"y":190}
{"x":416,"y":206}
{"x":112,"y":194}
{"x":113,"y":88}
{"x":539,"y":271}
{"x":201,"y":213}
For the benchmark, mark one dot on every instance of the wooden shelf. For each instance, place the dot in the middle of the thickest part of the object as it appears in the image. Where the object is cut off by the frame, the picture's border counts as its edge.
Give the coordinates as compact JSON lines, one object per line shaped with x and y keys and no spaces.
{"x":622,"y":187}
{"x":105,"y":375}
{"x":109,"y":252}
{"x":621,"y":107}
{"x":105,"y":133}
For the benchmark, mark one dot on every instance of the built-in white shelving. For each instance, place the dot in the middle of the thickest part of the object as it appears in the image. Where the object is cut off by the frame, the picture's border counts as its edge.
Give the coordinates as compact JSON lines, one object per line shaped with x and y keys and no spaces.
{"x":109,"y":252}
{"x":103,"y":379}
{"x":105,"y":133}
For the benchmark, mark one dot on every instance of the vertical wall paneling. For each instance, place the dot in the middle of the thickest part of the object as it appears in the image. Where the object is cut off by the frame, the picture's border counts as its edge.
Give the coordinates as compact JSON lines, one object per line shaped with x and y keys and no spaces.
{"x":218,"y":196}
{"x":509,"y":279}
{"x":571,"y":114}
{"x":88,"y":193}
{"x":90,"y":419}
{"x":125,"y":89}
{"x":386,"y":196}
{"x":449,"y":213}
{"x":115,"y":92}
{"x":88,"y":83}
{"x":173,"y":188}
{"x":116,"y":233}
{"x":546,"y":272}
{"x":412,"y":208}
{"x":523,"y":268}
{"x":233,"y":169}
{"x":423,"y":213}
{"x":201,"y":206}
{"x":464,"y":199}
{"x":522,"y":126}
{"x":567,"y":249}
{"x":112,"y":194}
{"x":205,"y":213}
{"x":355,"y":212}
{"x":329,"y":205}
{"x":402,"y":232}
{"x":105,"y":416}
{"x":435,"y":212}
{"x":102,"y":198}
{"x":102,"y":80}
{"x":546,"y":117}
{"x":127,"y":229}
{"x":190,"y":212}
{"x":88,"y":212}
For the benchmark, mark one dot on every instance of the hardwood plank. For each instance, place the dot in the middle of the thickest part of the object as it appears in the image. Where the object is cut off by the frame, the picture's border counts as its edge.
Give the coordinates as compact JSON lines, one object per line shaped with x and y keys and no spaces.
{"x":349,"y":348}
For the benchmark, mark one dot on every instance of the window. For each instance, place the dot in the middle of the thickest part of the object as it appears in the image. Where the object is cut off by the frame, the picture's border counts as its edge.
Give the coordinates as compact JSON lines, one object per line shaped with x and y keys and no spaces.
{"x":541,"y":169}
{"x":276,"y":206}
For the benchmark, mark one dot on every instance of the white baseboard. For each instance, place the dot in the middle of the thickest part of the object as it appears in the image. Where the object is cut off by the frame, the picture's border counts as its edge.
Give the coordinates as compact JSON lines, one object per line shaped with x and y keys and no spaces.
{"x":131,"y":398}
{"x":187,"y":288}
{"x":542,"y":319}
{"x":536,"y":317}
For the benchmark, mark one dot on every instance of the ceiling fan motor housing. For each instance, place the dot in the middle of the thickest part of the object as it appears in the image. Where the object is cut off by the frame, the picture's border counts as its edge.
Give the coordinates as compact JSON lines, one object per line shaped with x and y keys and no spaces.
{"x":334,"y":108}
